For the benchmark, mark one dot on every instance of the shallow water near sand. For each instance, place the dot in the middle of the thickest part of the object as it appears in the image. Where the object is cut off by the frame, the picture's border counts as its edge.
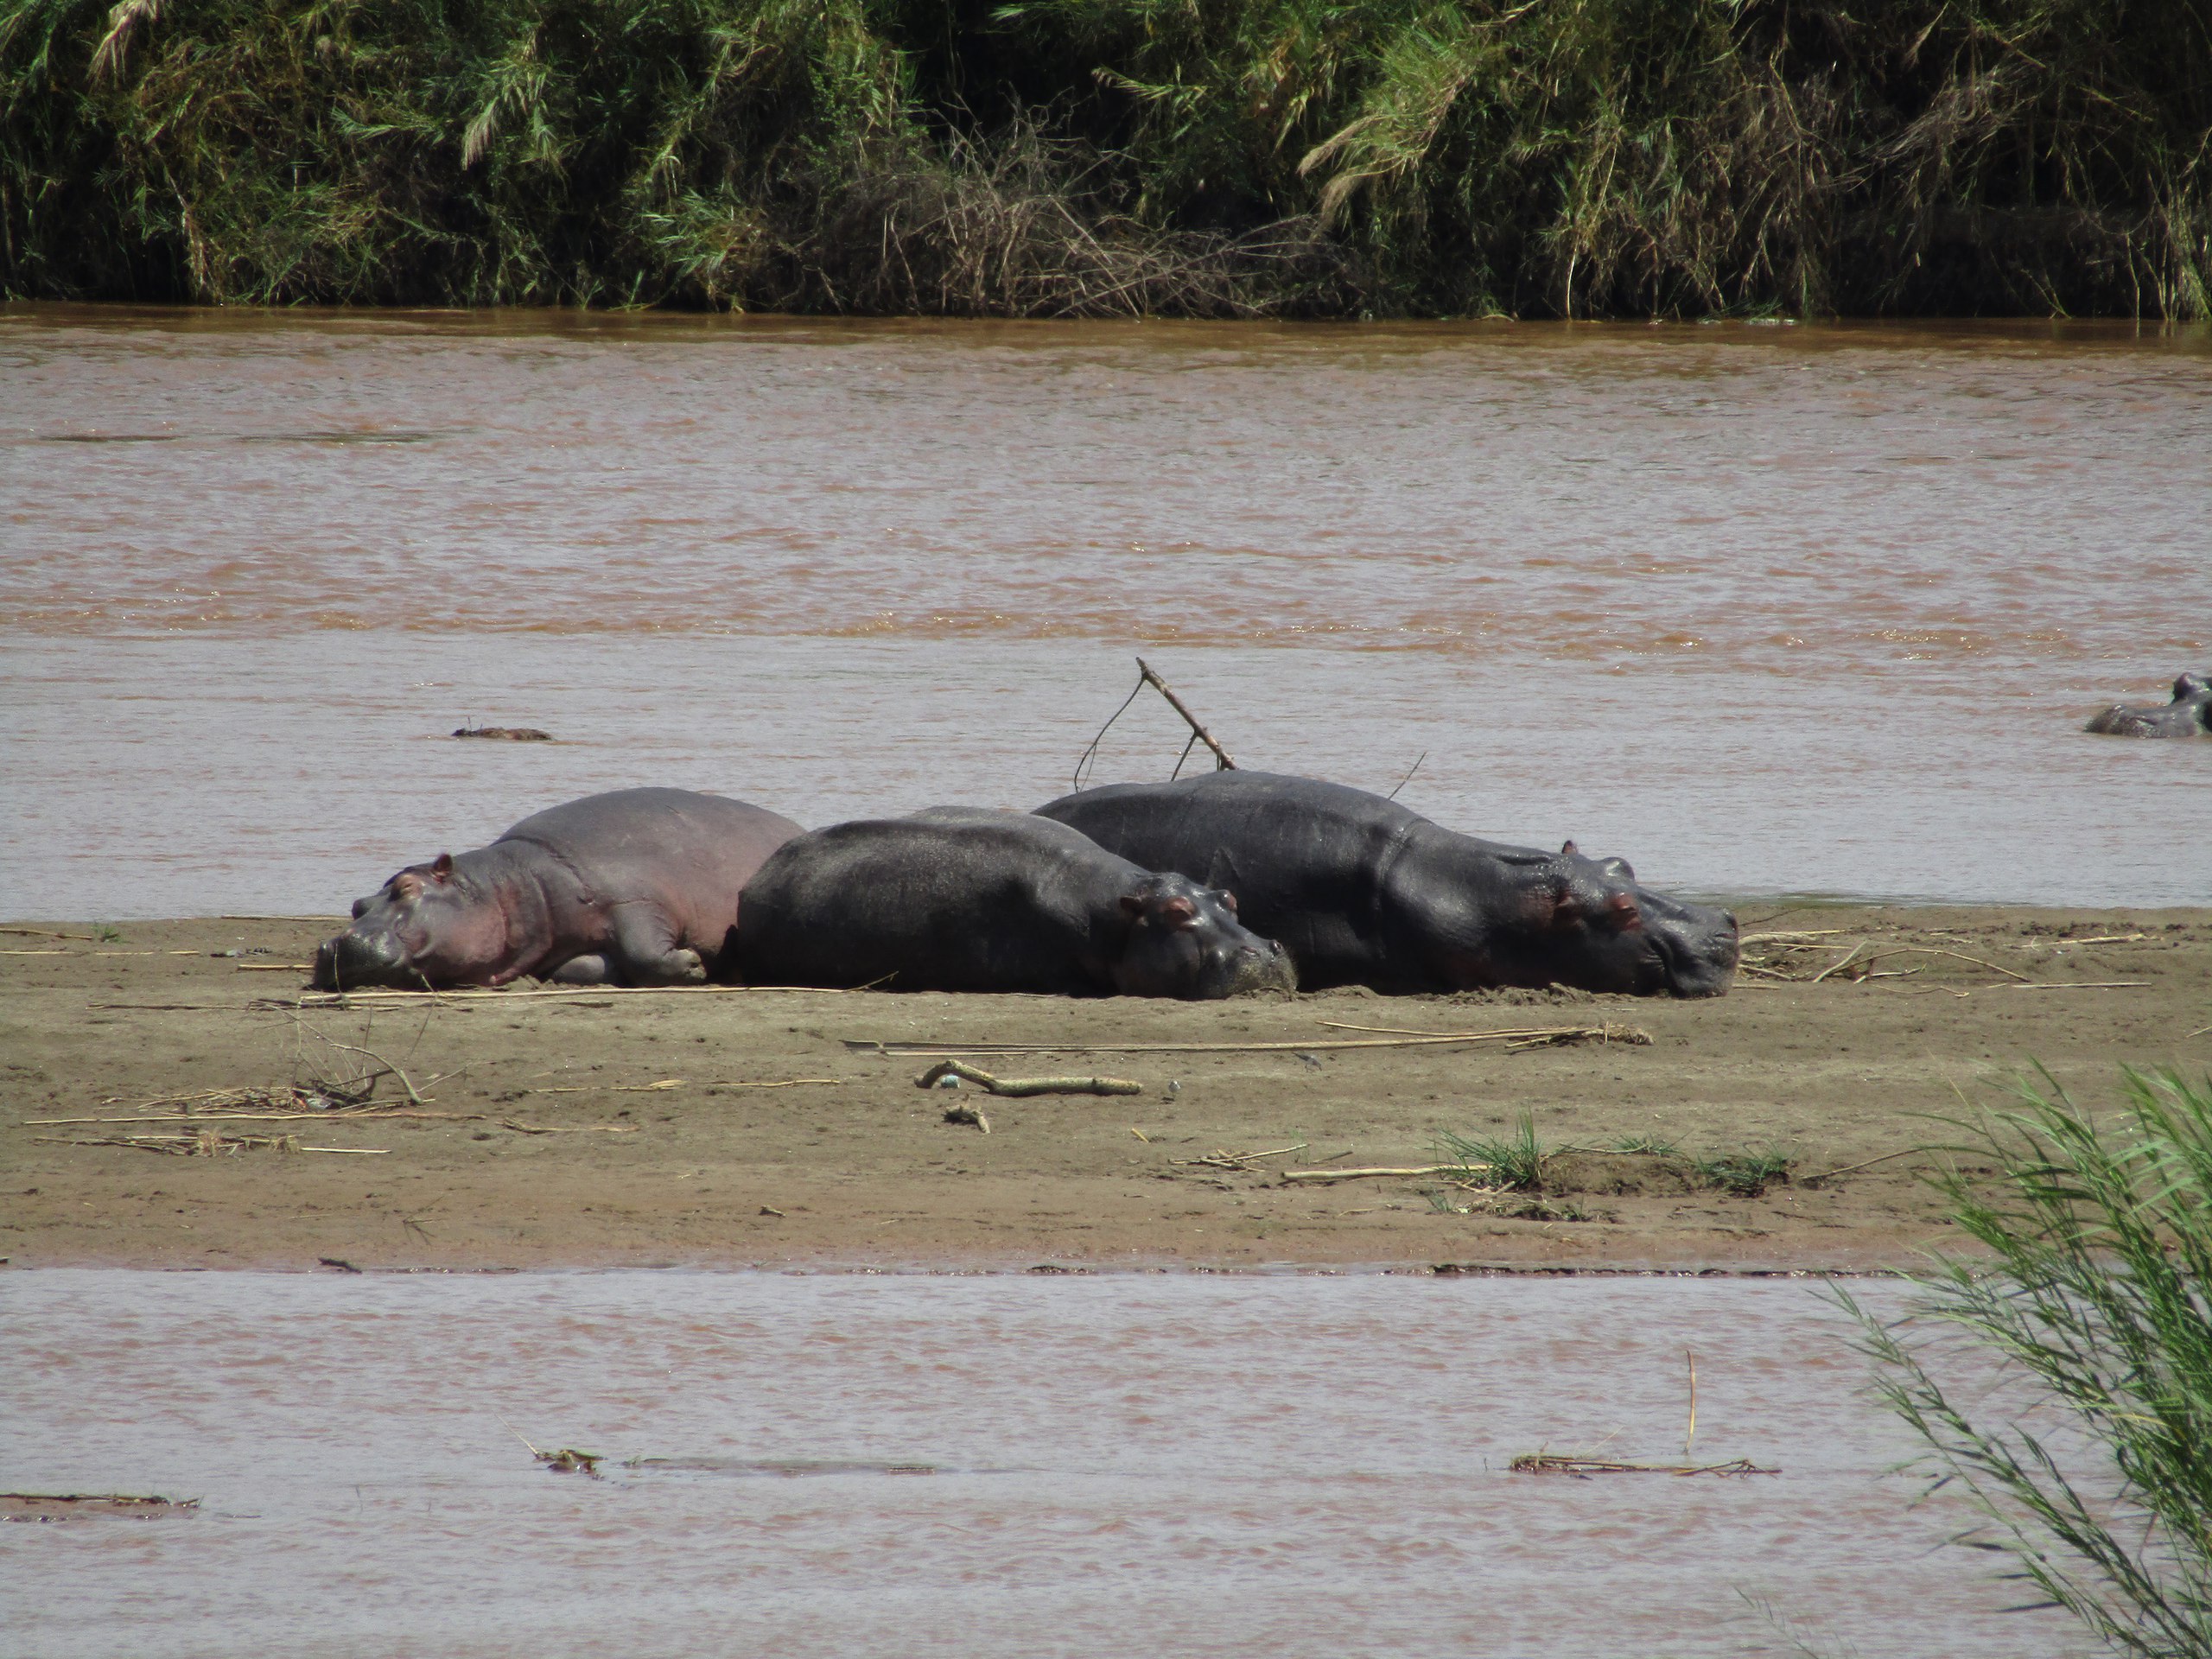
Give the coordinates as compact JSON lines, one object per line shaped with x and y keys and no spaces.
{"x":1124,"y":1463}
{"x":1765,"y":610}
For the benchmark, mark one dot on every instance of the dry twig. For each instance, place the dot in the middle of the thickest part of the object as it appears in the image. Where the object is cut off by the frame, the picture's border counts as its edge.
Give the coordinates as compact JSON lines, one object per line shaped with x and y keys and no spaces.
{"x":1530,"y":1036}
{"x":1021,"y":1087}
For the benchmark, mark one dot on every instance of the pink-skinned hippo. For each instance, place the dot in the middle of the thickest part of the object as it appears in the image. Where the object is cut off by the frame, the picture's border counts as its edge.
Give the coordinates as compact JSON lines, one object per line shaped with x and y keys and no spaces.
{"x":639,"y":886}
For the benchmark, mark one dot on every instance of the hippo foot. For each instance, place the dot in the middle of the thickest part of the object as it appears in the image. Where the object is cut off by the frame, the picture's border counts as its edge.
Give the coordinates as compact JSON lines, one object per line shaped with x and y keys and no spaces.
{"x":682,"y":967}
{"x":583,"y":971}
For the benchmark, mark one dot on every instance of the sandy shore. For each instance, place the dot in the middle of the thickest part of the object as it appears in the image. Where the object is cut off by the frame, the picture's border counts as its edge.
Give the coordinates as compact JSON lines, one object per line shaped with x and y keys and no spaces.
{"x":586,"y":1129}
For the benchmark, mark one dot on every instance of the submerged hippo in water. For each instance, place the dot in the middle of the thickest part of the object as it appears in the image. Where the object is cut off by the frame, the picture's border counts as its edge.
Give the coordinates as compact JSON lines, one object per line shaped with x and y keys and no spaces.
{"x":2188,"y":714}
{"x":961,"y":900}
{"x":1363,"y":891}
{"x":636,"y":887}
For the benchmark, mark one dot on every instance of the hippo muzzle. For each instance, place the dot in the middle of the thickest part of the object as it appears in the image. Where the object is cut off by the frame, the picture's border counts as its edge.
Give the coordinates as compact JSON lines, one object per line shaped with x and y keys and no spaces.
{"x":1697,"y":945}
{"x":355,"y":960}
{"x":1243,"y":969}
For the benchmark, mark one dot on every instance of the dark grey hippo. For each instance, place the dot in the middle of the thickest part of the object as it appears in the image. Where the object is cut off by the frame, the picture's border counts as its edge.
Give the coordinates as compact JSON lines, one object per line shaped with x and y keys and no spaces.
{"x":636,"y":887}
{"x":2189,"y":715}
{"x":961,"y":900}
{"x":1363,"y":891}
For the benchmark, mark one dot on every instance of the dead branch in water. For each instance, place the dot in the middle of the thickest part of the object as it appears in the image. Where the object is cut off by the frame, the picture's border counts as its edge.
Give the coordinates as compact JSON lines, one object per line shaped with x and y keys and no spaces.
{"x":1546,"y":1463}
{"x":69,"y":1506}
{"x":1021,"y":1087}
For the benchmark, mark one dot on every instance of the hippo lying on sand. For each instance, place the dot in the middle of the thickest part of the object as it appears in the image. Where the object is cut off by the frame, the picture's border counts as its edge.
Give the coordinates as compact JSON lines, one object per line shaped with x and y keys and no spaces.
{"x":2187,"y":716}
{"x":1363,"y":891}
{"x":961,"y":900}
{"x":636,"y":887}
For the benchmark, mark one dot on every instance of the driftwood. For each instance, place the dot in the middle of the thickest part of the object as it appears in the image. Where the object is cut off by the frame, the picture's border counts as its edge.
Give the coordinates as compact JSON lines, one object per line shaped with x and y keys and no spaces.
{"x":505,"y":734}
{"x":1545,"y":1463}
{"x":73,"y":1506}
{"x":1019,"y":1088}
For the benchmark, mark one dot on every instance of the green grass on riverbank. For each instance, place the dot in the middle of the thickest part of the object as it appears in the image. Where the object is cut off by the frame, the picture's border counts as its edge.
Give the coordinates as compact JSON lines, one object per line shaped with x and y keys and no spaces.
{"x":1100,"y":157}
{"x":2092,"y":1460}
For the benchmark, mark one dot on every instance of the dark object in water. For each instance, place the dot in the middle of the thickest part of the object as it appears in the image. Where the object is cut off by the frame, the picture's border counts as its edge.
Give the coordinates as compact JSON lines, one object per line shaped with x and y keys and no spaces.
{"x":2189,"y":714}
{"x":506,"y":734}
{"x":76,"y":1506}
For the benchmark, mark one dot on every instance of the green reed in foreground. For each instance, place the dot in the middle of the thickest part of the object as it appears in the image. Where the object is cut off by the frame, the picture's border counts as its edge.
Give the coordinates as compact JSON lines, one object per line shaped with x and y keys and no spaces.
{"x":1103,"y":157}
{"x":2095,"y":1297}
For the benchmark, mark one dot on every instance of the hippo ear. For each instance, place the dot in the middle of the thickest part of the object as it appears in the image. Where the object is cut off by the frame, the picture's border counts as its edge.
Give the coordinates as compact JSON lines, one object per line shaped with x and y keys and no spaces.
{"x":1132,"y":904}
{"x":1569,"y":849}
{"x":441,"y":870}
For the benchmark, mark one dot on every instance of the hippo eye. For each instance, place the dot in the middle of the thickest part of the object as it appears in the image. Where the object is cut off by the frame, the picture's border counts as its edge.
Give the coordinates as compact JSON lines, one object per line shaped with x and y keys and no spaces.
{"x":1228,"y":900}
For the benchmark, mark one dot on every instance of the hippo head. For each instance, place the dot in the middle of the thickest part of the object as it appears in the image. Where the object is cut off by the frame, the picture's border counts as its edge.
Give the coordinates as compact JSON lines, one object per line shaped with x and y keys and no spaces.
{"x":2192,"y":685}
{"x":424,"y":927}
{"x":1587,"y":923}
{"x":1185,"y":940}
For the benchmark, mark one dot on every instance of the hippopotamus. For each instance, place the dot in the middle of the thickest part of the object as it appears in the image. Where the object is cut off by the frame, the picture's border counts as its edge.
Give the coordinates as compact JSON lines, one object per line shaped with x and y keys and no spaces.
{"x":959,"y":899}
{"x":639,"y":886}
{"x":2189,"y":714}
{"x":1361,"y":890}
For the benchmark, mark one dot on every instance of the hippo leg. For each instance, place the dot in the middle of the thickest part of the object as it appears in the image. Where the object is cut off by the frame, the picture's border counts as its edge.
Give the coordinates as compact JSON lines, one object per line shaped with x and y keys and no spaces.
{"x":646,"y":949}
{"x":583,"y":970}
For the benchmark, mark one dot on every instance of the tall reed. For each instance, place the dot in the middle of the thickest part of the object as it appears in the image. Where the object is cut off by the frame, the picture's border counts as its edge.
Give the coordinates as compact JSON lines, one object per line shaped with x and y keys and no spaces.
{"x":2095,"y":1296}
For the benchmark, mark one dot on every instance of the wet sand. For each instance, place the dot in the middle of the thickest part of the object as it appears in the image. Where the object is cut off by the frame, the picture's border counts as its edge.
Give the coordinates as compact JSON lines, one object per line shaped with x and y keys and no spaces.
{"x":543,"y":1143}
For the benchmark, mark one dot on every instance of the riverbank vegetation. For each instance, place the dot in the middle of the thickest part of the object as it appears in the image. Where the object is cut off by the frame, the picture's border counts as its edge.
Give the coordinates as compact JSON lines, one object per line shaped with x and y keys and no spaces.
{"x":2091,"y":1458}
{"x":1100,"y":157}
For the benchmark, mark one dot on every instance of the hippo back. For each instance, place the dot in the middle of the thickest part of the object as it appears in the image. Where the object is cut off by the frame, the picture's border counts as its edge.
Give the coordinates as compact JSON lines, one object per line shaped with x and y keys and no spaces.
{"x":1307,"y":860}
{"x":961,"y":900}
{"x":1363,"y":891}
{"x":941,"y":901}
{"x":689,"y":853}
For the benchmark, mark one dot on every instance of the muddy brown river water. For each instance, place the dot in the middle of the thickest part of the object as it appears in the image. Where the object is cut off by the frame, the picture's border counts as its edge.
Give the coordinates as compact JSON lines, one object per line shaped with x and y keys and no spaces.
{"x":1768,"y":610}
{"x":1765,"y":609}
{"x":1127,"y":1463}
